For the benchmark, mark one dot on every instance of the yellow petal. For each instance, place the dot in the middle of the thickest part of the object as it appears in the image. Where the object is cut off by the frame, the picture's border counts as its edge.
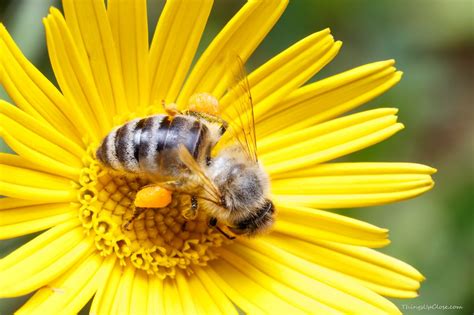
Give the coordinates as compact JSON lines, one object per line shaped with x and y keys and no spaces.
{"x":39,"y":194}
{"x":256,"y":288}
{"x":45,"y":162}
{"x":330,"y":146}
{"x":139,"y":294}
{"x":37,"y":263}
{"x":350,"y":187}
{"x":104,"y":298}
{"x":203,"y":301}
{"x":217,"y":295}
{"x":366,"y":265}
{"x":89,"y":25}
{"x":325,"y":294}
{"x":155,"y":295}
{"x":19,"y":182}
{"x":123,"y":296}
{"x":39,"y":128}
{"x":15,"y":163}
{"x":355,"y":200}
{"x":272,"y":253}
{"x":171,"y":298}
{"x":344,"y":185}
{"x":37,"y":244}
{"x":39,"y":143}
{"x":74,"y":77}
{"x":20,"y":162}
{"x":174,"y":44}
{"x":329,"y":98}
{"x":309,"y":233}
{"x":10,"y":203}
{"x":19,"y":221}
{"x":26,"y":177}
{"x":236,"y":294}
{"x":287,"y":71}
{"x":288,"y":294}
{"x":69,"y":293}
{"x":185,"y":294}
{"x":376,"y":118}
{"x":33,"y":92}
{"x":128,"y":21}
{"x":307,"y":224}
{"x":364,"y":168}
{"x":240,"y":36}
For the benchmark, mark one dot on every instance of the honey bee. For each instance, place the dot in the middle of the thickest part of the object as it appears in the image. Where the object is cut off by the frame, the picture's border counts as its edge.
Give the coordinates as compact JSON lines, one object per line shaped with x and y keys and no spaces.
{"x":174,"y":151}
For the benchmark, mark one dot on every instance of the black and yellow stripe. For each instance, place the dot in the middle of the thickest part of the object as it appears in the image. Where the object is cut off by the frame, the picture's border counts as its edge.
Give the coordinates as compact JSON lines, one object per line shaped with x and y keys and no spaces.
{"x":149,"y":144}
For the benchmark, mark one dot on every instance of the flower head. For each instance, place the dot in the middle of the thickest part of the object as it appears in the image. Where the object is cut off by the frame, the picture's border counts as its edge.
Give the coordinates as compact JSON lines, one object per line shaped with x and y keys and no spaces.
{"x":313,"y":261}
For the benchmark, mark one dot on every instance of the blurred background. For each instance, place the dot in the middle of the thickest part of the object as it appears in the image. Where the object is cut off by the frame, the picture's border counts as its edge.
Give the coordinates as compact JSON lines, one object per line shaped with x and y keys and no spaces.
{"x":433,"y":43}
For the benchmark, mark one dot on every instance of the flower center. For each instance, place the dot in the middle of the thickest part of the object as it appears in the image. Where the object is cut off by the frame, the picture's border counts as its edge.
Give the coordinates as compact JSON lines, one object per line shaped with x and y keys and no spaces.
{"x":159,"y":240}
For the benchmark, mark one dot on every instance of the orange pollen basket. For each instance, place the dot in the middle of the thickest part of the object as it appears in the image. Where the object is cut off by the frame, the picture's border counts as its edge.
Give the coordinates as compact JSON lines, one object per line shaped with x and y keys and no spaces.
{"x":153,"y":196}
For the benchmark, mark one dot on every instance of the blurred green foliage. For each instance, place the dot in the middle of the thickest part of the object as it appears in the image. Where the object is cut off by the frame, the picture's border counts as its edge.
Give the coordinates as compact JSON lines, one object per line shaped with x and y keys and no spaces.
{"x":433,"y":43}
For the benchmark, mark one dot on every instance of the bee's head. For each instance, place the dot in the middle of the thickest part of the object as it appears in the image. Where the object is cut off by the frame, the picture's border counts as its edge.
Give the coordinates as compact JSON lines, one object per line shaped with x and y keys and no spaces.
{"x":244,"y":189}
{"x":260,"y":220}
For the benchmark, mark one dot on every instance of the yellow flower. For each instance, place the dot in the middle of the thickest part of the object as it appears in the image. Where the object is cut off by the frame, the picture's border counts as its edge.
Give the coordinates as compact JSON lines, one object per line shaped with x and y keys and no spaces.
{"x":314,"y":261}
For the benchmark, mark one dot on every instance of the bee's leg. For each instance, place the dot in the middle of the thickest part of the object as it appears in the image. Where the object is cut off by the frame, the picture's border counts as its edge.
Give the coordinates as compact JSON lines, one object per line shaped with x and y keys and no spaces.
{"x":171,"y":109}
{"x":210,"y":118}
{"x":191,"y":212}
{"x":213,"y":223}
{"x":224,"y":126}
{"x":136,"y":213}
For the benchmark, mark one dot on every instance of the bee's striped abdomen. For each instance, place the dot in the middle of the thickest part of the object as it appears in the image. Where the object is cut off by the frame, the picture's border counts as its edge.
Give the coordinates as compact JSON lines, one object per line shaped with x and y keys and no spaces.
{"x":149,"y":144}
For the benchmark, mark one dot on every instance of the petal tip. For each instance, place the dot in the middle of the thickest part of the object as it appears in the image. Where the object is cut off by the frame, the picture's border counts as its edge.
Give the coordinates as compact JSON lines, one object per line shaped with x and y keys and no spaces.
{"x":400,"y":126}
{"x":53,"y":10}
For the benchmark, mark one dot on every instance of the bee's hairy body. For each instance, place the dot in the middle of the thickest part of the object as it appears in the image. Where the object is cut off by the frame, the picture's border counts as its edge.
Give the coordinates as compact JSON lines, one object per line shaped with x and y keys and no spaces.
{"x":149,"y":145}
{"x":232,"y":186}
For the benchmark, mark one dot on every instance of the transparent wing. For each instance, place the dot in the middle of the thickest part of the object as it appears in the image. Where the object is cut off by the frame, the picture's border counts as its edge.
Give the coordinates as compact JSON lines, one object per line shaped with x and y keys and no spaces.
{"x":240,"y":114}
{"x":212,"y":192}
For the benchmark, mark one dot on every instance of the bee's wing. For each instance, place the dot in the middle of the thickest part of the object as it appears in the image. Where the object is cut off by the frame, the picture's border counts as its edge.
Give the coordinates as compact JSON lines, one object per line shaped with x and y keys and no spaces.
{"x":208,"y":186}
{"x":240,"y":115}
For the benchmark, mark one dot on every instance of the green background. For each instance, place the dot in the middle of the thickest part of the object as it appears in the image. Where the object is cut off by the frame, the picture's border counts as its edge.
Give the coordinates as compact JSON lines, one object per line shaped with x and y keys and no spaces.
{"x":433,"y":43}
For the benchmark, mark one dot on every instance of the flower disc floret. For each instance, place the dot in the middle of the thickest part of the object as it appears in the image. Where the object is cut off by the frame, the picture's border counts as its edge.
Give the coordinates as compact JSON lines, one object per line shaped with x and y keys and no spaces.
{"x":158,"y":241}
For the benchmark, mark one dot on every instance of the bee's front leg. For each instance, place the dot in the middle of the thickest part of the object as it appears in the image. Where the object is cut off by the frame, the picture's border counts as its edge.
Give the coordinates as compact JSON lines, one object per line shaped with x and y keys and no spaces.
{"x":136,"y":213}
{"x":213,"y":224}
{"x":191,"y":212}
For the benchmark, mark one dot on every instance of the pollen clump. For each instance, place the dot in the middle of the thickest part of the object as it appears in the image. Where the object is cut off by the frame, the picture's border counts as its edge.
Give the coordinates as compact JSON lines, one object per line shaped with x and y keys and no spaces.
{"x":153,"y":196}
{"x":159,"y":240}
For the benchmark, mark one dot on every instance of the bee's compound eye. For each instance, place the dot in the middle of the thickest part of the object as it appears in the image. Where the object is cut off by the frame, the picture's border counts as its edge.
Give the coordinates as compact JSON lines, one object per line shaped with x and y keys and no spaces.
{"x":153,"y":197}
{"x":212,"y":222}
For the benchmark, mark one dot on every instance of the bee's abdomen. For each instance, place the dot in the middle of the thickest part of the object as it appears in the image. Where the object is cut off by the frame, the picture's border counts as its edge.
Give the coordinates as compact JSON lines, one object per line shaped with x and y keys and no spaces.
{"x":148,"y":144}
